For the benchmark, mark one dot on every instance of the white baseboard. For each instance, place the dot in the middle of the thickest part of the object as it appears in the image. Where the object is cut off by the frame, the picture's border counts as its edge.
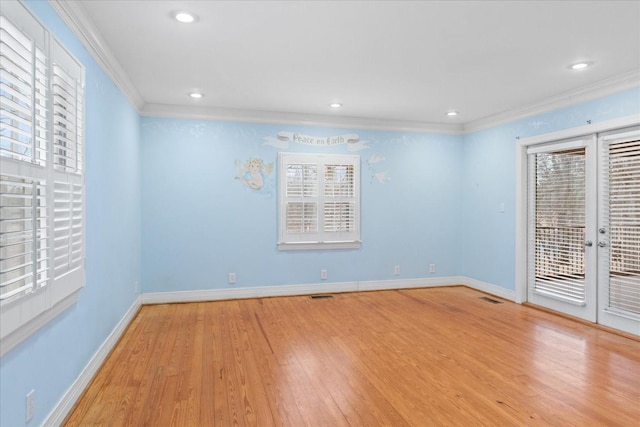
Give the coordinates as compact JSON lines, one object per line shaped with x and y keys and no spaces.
{"x":489,"y":288}
{"x":380,"y":285}
{"x":65,"y":405}
{"x":252,"y":292}
{"x":318,"y":288}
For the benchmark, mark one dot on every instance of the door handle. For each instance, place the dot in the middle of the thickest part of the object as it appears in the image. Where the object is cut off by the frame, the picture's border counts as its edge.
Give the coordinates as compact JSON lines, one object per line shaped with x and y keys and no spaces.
{"x":602,"y":244}
{"x":588,"y":243}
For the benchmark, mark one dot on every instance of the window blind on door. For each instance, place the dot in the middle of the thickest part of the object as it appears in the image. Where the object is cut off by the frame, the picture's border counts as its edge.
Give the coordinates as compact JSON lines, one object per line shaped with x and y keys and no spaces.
{"x":558,"y":215}
{"x":622,"y":178}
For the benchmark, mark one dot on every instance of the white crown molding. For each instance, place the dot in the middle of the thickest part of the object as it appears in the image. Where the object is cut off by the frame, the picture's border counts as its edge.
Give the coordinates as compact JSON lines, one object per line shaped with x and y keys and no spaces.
{"x":74,"y":15}
{"x":77,"y":19}
{"x":586,"y":93}
{"x":253,"y":116}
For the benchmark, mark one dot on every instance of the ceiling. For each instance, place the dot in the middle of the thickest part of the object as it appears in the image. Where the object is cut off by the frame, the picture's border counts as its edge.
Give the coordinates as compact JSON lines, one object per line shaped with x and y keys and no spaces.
{"x":390,"y":62}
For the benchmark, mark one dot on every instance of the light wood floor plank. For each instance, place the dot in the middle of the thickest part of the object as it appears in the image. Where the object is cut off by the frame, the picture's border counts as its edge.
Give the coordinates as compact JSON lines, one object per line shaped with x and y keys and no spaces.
{"x":438,"y":356}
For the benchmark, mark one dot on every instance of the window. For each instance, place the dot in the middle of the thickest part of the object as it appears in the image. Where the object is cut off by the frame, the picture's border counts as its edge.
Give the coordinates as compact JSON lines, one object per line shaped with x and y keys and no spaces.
{"x":41,"y":176}
{"x":319,"y":197}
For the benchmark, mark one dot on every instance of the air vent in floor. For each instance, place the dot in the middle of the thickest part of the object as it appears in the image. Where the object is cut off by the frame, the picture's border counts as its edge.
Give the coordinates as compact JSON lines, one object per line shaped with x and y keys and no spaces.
{"x":491,"y":300}
{"x":324,"y":296}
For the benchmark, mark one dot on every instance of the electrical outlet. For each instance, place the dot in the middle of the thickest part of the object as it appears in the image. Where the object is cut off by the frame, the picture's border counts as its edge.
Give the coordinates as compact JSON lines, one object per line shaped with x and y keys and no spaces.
{"x":502,"y":207}
{"x":30,"y":409}
{"x":432,"y":268}
{"x":232,"y":278}
{"x":396,"y":270}
{"x":323,"y":274}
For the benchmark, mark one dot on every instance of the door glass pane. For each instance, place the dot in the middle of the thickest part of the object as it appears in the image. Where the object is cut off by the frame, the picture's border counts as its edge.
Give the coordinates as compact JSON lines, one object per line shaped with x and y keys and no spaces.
{"x":624,"y":226}
{"x":560,"y":224}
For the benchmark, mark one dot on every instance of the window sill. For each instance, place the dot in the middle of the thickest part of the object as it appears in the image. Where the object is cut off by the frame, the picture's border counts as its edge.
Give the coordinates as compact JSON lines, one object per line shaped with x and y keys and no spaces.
{"x":12,"y":339}
{"x":310,"y":246}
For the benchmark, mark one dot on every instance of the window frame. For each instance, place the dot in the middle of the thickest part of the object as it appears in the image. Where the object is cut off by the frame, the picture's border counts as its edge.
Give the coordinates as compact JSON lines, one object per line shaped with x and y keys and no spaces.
{"x":63,"y":235}
{"x":319,"y":238}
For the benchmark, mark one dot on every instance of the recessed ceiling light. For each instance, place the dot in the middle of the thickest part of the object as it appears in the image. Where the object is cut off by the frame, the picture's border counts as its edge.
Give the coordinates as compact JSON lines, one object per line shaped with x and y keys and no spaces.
{"x":185,"y":17}
{"x":580,"y":65}
{"x":196,"y":95}
{"x":335,"y":105}
{"x":452,"y":113}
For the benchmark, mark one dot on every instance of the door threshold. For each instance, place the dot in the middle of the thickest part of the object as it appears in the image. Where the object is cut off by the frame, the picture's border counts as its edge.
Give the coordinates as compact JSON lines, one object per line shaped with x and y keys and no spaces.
{"x":584,"y":322}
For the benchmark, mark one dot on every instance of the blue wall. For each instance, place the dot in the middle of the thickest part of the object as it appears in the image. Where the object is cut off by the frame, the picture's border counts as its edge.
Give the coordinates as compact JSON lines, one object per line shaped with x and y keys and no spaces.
{"x":488,"y":236}
{"x":442,"y":204}
{"x":200,"y":223}
{"x":51,"y":359}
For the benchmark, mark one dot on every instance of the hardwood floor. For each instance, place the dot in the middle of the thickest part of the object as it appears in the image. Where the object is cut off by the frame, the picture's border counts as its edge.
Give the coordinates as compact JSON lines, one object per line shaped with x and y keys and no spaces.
{"x":421,"y":357}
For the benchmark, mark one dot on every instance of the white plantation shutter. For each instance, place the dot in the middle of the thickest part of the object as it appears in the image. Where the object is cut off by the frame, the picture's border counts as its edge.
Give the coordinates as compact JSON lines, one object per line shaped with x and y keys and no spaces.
{"x":41,"y":175}
{"x":68,"y":95}
{"x":621,"y":210}
{"x":23,"y":236}
{"x":301,"y":189}
{"x":67,"y":231}
{"x":558,"y":208}
{"x":319,"y":201}
{"x":23,"y":95}
{"x":340,"y":204}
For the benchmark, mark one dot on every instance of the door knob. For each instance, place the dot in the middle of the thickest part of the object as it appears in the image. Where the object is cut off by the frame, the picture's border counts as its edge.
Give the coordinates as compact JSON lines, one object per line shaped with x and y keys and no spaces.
{"x":588,"y":243}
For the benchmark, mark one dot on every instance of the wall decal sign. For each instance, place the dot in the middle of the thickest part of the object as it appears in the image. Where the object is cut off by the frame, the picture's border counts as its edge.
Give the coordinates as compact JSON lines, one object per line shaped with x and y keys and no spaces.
{"x":283,"y":139}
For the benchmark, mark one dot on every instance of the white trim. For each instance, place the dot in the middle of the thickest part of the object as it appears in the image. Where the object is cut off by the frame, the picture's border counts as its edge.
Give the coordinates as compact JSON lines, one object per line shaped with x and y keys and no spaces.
{"x":579,"y":131}
{"x":521,"y":186}
{"x":521,"y":223}
{"x":319,"y":288}
{"x":313,"y":246}
{"x":23,"y":332}
{"x":382,"y":285}
{"x":291,"y":118}
{"x":595,"y":90}
{"x":242,"y":293}
{"x":620,"y":136}
{"x":71,"y":396}
{"x":74,"y":15}
{"x":549,"y":148}
{"x":489,"y":288}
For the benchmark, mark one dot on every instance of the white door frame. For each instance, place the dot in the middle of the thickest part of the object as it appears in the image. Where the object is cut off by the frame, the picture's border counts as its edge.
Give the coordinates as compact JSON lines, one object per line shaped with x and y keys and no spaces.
{"x":522,"y":186}
{"x":586,"y":310}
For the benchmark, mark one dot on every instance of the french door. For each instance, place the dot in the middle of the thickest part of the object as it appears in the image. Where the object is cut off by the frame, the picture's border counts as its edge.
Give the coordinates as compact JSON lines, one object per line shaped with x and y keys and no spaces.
{"x":584,"y":228}
{"x":619,"y":231}
{"x":562,"y":224}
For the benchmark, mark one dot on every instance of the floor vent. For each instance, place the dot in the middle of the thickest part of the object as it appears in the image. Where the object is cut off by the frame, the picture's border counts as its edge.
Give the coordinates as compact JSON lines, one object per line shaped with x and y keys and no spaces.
{"x":324,"y":296}
{"x":491,"y":300}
